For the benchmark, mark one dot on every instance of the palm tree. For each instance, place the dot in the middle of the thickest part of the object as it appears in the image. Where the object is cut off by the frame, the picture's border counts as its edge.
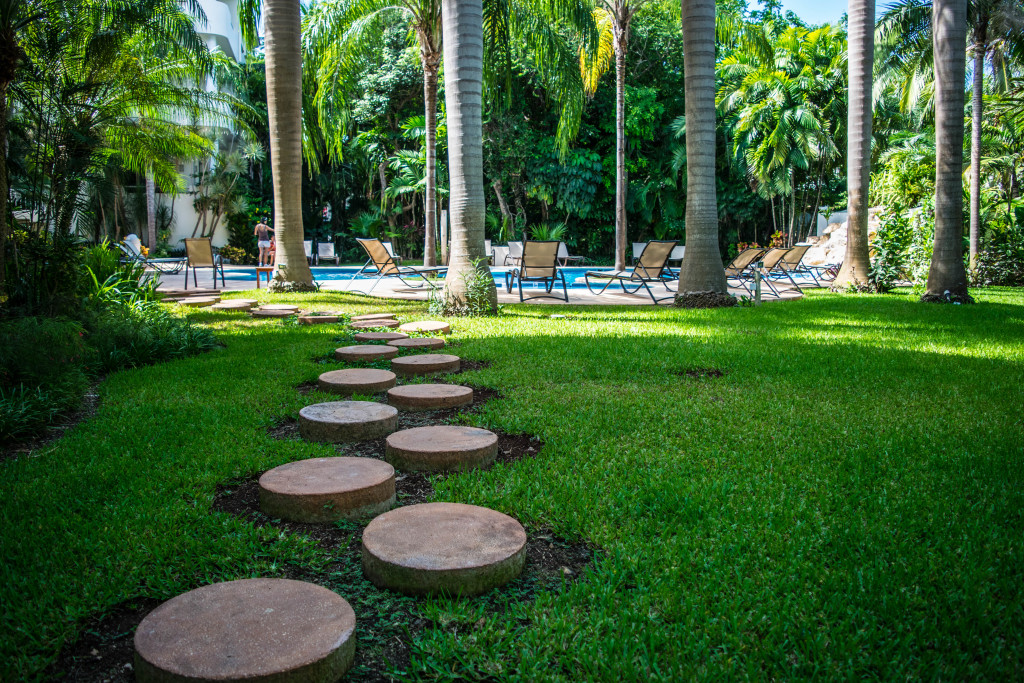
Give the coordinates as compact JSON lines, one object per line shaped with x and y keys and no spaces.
{"x":857,"y":263}
{"x":463,"y":84}
{"x":613,"y":19}
{"x":947,"y":277}
{"x":702,"y":269}
{"x":282,"y":39}
{"x":996,"y":36}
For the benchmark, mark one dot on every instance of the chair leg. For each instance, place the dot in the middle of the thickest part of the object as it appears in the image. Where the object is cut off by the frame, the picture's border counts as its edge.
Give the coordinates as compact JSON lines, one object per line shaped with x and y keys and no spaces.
{"x":565,"y":290}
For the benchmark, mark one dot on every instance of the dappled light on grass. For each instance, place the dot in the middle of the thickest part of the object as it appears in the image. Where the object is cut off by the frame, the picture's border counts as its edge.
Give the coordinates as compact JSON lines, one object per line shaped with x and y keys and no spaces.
{"x":843,"y":501}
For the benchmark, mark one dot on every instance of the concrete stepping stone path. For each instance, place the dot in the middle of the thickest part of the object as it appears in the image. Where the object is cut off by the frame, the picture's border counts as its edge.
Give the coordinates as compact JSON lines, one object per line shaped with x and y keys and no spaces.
{"x":321,"y":318}
{"x":374,"y":324}
{"x":379,"y":336}
{"x":363,"y":353}
{"x":441,"y":448}
{"x":356,"y":381}
{"x":347,"y":421}
{"x":413,"y":397}
{"x":429,"y":326}
{"x":425,"y":364}
{"x":267,"y":630}
{"x":446,"y":548}
{"x":328,"y":489}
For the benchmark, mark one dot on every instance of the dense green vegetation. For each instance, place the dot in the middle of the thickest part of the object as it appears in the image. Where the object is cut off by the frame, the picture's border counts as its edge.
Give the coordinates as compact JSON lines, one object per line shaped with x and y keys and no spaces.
{"x":843,"y":503}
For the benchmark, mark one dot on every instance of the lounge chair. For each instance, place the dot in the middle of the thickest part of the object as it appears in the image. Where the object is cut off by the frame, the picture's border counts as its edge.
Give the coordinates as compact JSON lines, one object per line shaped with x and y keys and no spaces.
{"x":325,"y":252}
{"x":638,"y":248}
{"x":307,"y":246}
{"x":792,"y":262}
{"x":391,"y":252}
{"x":769,"y":262}
{"x":199,"y":254}
{"x":489,"y":251}
{"x":650,"y":267}
{"x":539,"y":264}
{"x":385,"y":265}
{"x":515,"y":253}
{"x":789,"y":264}
{"x":132,"y":252}
{"x":564,"y":259}
{"x":741,"y":269}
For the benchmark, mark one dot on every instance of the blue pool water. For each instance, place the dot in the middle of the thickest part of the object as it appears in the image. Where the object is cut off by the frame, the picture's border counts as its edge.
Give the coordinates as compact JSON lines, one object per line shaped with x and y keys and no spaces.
{"x":573,"y":276}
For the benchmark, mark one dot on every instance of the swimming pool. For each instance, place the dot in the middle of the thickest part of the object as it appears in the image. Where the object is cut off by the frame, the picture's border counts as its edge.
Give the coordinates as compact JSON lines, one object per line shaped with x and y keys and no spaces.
{"x":573,"y":276}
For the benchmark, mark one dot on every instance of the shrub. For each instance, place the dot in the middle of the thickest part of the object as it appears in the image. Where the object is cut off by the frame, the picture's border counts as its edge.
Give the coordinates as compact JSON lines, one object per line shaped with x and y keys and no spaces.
{"x":1002,"y":264}
{"x":479,"y":287}
{"x":889,"y":265}
{"x":236,"y":255}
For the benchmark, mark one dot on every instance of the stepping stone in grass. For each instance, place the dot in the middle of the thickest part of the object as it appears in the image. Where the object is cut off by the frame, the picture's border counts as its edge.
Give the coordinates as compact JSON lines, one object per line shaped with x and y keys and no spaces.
{"x":447,"y":548}
{"x":373,"y":316}
{"x":430,"y":326}
{"x":425,"y":364}
{"x":350,"y":381}
{"x":442,"y":448}
{"x":268,"y":630}
{"x":199,"y":301}
{"x":414,"y":397}
{"x":374,"y":324}
{"x":189,"y":292}
{"x":328,"y":489}
{"x":279,"y":307}
{"x":347,"y":421}
{"x":427,"y":343}
{"x":320,"y":318}
{"x":265,"y":312}
{"x":362,"y":353}
{"x":379,"y":336}
{"x":234,"y":305}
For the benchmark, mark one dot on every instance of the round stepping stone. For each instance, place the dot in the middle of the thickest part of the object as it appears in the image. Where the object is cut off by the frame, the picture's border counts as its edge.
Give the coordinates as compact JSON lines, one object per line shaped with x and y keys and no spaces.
{"x":279,"y":307}
{"x":319,"y":319}
{"x":199,"y":301}
{"x":445,"y":548}
{"x":379,"y":336}
{"x":341,"y":421}
{"x":432,"y":326}
{"x":429,"y":343}
{"x":233,"y":305}
{"x":425,"y":364}
{"x":429,"y":396}
{"x":373,"y":324}
{"x":356,"y":381}
{"x":268,"y":630}
{"x":272,"y":312}
{"x":365,"y":352}
{"x":372,"y":316}
{"x":328,"y":489}
{"x":441,"y":448}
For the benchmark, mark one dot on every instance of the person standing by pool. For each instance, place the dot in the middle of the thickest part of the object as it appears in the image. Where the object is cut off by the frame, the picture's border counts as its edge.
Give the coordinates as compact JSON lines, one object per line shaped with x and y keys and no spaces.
{"x":262,"y":233}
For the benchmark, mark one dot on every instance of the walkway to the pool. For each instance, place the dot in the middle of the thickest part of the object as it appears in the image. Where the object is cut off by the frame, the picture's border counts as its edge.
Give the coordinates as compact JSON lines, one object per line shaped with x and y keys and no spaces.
{"x":392,"y":288}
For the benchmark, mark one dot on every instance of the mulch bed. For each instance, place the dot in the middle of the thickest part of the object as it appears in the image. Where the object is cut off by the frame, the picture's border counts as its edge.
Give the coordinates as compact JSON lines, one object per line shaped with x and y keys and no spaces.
{"x":90,"y":404}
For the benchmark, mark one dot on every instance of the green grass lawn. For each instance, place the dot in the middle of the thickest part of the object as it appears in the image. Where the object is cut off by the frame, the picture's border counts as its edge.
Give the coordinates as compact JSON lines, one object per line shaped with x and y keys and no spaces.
{"x":845,"y":503}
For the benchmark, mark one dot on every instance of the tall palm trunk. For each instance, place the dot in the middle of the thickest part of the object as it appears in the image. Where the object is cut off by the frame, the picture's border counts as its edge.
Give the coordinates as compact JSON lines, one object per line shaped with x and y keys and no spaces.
{"x":620,"y":27}
{"x":947,"y":273}
{"x":150,"y":210}
{"x":702,"y":269}
{"x":977,"y":105}
{"x":3,"y":188}
{"x":462,"y":26}
{"x":284,"y":109}
{"x":857,"y":262}
{"x":431,"y":63}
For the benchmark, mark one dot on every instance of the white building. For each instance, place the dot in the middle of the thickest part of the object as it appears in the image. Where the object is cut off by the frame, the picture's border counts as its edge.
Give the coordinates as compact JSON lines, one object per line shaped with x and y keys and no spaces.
{"x":222,"y":31}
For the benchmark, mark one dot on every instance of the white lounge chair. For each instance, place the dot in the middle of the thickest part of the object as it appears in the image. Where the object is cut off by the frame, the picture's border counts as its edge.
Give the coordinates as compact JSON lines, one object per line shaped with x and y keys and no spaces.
{"x":325,"y":252}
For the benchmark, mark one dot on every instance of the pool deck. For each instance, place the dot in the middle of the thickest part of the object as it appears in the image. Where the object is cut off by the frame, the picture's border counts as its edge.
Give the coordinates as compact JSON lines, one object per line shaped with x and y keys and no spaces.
{"x":393,"y":288}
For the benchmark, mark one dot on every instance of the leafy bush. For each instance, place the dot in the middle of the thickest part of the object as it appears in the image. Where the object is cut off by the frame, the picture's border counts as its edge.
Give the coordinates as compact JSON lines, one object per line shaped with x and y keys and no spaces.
{"x":101,"y":261}
{"x":889,"y":265}
{"x":479,"y":288}
{"x":545,"y":232}
{"x":236,"y":255}
{"x":1002,"y":264}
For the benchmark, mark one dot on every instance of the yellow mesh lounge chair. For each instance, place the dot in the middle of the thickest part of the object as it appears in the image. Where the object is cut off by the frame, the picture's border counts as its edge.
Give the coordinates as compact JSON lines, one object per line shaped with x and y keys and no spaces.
{"x":741,"y":270}
{"x":769,"y":261}
{"x":792,"y":262}
{"x":199,"y":254}
{"x":651,"y":267}
{"x":539,"y":263}
{"x":383,"y":265}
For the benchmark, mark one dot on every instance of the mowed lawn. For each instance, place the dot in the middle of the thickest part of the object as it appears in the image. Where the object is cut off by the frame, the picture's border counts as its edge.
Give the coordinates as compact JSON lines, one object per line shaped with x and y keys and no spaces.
{"x":844,"y":503}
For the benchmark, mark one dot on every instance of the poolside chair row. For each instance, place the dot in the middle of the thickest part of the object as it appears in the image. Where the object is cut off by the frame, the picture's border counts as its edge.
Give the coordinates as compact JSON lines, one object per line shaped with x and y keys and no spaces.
{"x":775,"y":265}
